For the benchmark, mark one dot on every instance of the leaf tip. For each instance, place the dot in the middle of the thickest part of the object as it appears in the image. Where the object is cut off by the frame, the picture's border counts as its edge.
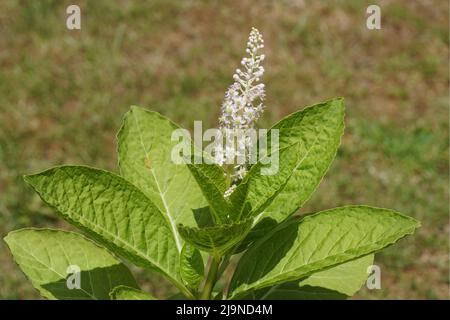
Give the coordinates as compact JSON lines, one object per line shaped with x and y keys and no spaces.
{"x":27,"y":178}
{"x":10,"y":236}
{"x":135,"y":108}
{"x":7,"y":238}
{"x":339,"y":102}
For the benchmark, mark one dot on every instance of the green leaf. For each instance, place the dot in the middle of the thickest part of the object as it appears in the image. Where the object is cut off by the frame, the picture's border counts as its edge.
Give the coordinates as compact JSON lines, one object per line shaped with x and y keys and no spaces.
{"x":262,"y":188}
{"x":177,"y":296}
{"x":334,"y":283}
{"x":261,"y":229}
{"x":52,"y":258}
{"x":217,"y":239}
{"x":145,"y":159}
{"x":239,"y":208}
{"x":292,"y":291}
{"x":191,"y":266}
{"x":346,"y":278}
{"x":308,"y":141}
{"x":211,"y":179}
{"x":128,"y":293}
{"x":114,"y":212}
{"x":300,"y":247}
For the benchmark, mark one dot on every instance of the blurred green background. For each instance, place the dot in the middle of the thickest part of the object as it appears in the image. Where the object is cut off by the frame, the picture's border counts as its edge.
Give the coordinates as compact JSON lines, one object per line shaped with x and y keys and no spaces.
{"x":63,"y":94}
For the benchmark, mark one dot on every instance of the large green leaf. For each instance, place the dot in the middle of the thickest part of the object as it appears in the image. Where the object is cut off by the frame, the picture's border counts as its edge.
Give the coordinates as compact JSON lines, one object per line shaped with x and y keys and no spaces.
{"x":145,"y":159}
{"x":50,"y":257}
{"x":346,"y":278}
{"x":300,"y":247}
{"x":333,"y":283}
{"x":216,"y":239}
{"x":308,"y":141}
{"x":128,"y":293}
{"x":191,"y":266}
{"x":292,"y":291}
{"x":211,"y":179}
{"x":112,"y":211}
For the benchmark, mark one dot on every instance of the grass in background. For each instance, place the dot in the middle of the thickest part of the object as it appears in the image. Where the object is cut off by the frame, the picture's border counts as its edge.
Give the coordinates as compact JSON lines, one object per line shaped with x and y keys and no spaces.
{"x":63,"y":94}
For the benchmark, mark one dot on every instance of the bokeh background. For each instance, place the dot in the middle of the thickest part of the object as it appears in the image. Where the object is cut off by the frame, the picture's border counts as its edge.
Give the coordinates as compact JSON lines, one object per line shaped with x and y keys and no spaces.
{"x":63,"y":94}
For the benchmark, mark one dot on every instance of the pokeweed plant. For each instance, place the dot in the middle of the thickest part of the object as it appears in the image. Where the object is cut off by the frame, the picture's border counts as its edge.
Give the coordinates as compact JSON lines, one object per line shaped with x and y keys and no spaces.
{"x":168,"y":217}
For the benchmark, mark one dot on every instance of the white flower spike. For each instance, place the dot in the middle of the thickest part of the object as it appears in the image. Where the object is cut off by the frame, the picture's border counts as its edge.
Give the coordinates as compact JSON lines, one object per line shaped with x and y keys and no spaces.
{"x":243,"y":105}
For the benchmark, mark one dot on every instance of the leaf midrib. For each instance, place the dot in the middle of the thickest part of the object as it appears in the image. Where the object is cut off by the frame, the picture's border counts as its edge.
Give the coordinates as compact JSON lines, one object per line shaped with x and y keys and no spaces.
{"x":91,"y":226}
{"x":258,"y":217}
{"x":49,"y":267}
{"x":127,"y":245}
{"x":161,"y":194}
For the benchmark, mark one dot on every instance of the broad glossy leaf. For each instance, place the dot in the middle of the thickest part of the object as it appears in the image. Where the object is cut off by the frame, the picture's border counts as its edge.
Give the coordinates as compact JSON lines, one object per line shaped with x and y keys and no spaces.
{"x":211,"y":179}
{"x":191,"y":266}
{"x":128,"y":293}
{"x":300,"y":247}
{"x":308,"y":141}
{"x":49,"y":258}
{"x":145,"y":159}
{"x":112,"y":211}
{"x":217,"y":239}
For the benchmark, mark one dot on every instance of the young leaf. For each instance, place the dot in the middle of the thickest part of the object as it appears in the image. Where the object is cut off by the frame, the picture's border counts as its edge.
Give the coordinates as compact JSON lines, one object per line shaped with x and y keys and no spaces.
{"x":261,"y":188}
{"x":66,"y":265}
{"x":238,"y":207}
{"x":300,"y":247}
{"x":128,"y":293}
{"x":217,"y":239}
{"x":211,"y":179}
{"x":308,"y":141}
{"x":112,"y":211}
{"x":145,"y":159}
{"x":191,"y":266}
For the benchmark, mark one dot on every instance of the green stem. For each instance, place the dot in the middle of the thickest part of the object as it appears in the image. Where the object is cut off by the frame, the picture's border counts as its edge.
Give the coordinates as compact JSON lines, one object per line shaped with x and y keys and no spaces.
{"x":224,"y":265}
{"x":211,"y":279}
{"x":185,"y":291}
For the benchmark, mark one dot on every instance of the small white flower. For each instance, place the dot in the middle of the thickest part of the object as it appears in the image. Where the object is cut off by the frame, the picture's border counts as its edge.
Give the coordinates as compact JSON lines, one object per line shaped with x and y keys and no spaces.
{"x":240,"y":172}
{"x":229,"y":191}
